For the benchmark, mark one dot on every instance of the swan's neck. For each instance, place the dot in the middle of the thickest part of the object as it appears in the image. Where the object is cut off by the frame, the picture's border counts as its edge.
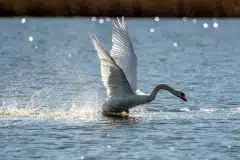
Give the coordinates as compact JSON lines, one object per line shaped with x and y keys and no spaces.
{"x":142,"y":99}
{"x":162,"y":87}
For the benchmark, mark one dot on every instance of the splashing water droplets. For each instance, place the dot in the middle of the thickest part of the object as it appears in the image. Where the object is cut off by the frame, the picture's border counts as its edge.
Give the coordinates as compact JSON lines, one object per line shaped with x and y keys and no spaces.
{"x":108,"y":19}
{"x":175,"y":44}
{"x":101,"y":21}
{"x":30,"y":39}
{"x":194,"y":20}
{"x":205,"y":25}
{"x":108,"y":146}
{"x":70,"y":55}
{"x":184,"y":19}
{"x":156,"y":19}
{"x":94,"y":18}
{"x":23,"y":20}
{"x":215,"y":25}
{"x":82,"y":157}
{"x":152,"y":30}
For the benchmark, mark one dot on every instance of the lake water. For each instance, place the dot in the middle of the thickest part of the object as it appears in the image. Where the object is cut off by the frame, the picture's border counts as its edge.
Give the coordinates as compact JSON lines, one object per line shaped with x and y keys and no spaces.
{"x":51,"y":91}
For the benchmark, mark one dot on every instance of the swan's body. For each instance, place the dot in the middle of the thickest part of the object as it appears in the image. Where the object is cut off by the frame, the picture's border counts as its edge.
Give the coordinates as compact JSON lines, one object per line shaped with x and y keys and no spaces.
{"x":119,"y":73}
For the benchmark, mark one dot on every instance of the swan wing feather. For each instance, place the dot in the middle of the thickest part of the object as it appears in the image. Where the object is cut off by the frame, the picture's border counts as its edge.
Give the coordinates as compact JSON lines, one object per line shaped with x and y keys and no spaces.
{"x":123,"y":52}
{"x":113,"y":76}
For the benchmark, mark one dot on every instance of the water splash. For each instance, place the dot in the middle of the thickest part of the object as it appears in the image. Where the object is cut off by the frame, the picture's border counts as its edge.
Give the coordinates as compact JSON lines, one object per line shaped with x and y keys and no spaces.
{"x":208,"y":110}
{"x":205,"y":25}
{"x":194,"y":20}
{"x":84,"y":106}
{"x":23,"y":20}
{"x":89,"y":108}
{"x":215,"y":25}
{"x":101,"y":21}
{"x":184,"y":19}
{"x":175,"y":44}
{"x":93,"y":19}
{"x":152,"y":30}
{"x":108,"y":19}
{"x":30,"y":39}
{"x":156,"y":19}
{"x":74,"y":112}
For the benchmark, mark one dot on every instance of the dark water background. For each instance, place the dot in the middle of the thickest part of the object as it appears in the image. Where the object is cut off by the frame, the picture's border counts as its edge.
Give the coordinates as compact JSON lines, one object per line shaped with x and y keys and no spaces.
{"x":51,"y":91}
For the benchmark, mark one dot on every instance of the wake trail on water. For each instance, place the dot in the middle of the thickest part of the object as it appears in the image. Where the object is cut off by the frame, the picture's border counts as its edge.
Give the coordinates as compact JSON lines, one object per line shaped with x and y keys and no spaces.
{"x":92,"y":112}
{"x":85,"y":106}
{"x":86,"y":112}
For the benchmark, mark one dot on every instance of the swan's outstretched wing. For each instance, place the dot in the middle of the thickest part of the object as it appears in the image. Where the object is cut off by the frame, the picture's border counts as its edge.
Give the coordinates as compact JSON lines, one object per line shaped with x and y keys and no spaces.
{"x":123,"y":53}
{"x":113,"y":76}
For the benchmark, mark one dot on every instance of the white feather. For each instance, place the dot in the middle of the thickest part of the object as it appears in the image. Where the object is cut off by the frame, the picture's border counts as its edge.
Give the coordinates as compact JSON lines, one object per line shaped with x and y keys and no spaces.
{"x":123,"y":52}
{"x":113,"y":76}
{"x":139,"y":92}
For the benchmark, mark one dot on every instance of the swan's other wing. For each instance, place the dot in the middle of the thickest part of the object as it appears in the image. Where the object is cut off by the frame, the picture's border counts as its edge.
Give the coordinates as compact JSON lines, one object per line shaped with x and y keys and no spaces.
{"x":123,"y":52}
{"x":138,"y":92}
{"x":113,"y":76}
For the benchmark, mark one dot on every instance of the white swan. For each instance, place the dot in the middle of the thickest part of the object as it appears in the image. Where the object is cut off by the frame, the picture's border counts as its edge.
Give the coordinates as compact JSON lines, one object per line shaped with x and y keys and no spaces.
{"x":119,"y":74}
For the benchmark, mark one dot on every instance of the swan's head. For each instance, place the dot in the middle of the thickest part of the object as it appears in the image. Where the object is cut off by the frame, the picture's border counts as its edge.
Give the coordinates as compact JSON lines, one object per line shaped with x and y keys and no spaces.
{"x":182,"y":96}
